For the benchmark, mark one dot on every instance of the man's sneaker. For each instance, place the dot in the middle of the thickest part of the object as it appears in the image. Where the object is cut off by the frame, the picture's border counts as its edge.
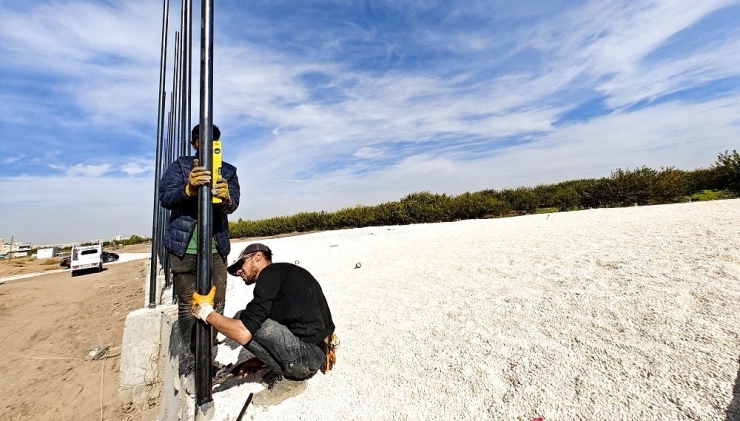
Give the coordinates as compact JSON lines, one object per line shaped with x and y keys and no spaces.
{"x":280,"y":392}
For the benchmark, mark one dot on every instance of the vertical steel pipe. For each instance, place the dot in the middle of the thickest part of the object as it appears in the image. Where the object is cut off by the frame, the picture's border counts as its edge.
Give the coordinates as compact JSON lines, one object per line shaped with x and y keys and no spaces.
{"x":156,"y":244}
{"x":176,"y":95}
{"x":205,"y":210}
{"x":187,"y":73}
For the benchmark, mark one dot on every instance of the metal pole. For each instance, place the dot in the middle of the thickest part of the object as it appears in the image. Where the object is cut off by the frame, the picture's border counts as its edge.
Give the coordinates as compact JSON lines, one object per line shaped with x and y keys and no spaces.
{"x":166,"y":212}
{"x":187,"y":59}
{"x":176,"y":95}
{"x":180,"y":82}
{"x":203,"y":338}
{"x":157,"y":170}
{"x":171,"y":128}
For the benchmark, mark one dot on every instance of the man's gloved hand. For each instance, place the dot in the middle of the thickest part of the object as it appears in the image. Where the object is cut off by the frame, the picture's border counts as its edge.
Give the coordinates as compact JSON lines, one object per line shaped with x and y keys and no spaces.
{"x":221,"y":190}
{"x":202,"y":305}
{"x":199,"y":176}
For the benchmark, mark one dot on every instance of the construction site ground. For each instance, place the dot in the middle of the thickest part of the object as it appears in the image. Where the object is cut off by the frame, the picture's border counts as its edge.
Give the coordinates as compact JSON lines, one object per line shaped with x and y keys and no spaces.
{"x":50,"y":324}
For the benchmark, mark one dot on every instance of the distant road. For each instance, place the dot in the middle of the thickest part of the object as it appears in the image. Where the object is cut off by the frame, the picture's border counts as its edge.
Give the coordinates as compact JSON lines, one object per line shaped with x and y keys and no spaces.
{"x":123,"y":257}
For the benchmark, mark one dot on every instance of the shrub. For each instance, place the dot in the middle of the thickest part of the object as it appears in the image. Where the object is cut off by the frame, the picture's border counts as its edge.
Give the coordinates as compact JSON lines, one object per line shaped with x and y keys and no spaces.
{"x":643,"y":186}
{"x":669,"y":186}
{"x":727,"y":172}
{"x":426,"y":207}
{"x":523,"y":200}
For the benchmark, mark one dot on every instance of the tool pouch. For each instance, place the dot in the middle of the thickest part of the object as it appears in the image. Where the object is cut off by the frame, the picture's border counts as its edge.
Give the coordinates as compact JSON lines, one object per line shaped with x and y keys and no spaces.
{"x":330,"y":352}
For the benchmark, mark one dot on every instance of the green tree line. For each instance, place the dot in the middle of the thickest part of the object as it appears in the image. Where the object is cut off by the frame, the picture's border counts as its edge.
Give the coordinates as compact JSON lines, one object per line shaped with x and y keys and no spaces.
{"x":640,"y":186}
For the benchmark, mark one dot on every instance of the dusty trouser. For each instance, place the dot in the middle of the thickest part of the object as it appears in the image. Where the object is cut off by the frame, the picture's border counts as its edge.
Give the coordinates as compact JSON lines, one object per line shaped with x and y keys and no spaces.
{"x":184,"y":274}
{"x":284,"y":353}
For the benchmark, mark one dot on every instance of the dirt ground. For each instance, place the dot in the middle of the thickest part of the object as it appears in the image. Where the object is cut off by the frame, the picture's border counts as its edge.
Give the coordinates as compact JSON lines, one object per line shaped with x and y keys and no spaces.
{"x":22,"y":265}
{"x":50,"y":323}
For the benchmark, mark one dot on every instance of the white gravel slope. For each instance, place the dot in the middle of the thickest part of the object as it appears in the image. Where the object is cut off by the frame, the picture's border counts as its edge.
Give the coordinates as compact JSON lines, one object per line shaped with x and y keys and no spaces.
{"x":601,"y":314}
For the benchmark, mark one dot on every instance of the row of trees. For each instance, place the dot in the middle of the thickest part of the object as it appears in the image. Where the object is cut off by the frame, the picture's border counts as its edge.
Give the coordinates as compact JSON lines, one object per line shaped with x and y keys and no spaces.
{"x":641,"y":186}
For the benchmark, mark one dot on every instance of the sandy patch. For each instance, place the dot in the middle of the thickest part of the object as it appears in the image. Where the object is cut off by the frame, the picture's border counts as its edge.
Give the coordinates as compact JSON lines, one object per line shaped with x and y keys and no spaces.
{"x":49,"y":325}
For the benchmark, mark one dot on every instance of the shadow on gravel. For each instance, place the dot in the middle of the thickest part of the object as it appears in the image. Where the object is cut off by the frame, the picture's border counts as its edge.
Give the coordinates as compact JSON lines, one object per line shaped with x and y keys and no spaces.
{"x":233,"y":381}
{"x":733,"y":409}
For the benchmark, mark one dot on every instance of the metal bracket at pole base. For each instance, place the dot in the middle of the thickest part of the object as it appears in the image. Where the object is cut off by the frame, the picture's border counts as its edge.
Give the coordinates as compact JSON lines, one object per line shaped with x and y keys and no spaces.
{"x":205,"y":412}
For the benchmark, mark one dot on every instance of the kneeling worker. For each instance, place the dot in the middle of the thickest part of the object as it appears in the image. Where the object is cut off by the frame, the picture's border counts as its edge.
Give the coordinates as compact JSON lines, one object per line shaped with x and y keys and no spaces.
{"x":287,"y":325}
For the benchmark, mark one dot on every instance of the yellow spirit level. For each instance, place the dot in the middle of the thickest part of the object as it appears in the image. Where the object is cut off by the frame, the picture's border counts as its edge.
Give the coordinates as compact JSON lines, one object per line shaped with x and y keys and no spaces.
{"x":217,"y":160}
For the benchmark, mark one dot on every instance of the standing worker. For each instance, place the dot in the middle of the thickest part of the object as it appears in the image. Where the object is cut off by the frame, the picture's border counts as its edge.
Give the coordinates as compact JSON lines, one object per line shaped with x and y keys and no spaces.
{"x":287,"y":325}
{"x":178,"y":192}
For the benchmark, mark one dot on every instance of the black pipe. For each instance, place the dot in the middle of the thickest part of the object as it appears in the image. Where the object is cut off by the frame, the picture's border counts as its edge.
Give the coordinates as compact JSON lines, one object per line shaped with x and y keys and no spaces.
{"x":203,"y":336}
{"x":176,"y":96}
{"x":157,"y":161}
{"x":244,"y":408}
{"x":187,"y":73}
{"x":171,"y":129}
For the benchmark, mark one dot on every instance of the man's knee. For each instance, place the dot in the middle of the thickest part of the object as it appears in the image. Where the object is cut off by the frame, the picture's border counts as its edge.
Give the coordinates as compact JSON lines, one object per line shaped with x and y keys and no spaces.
{"x":270,"y":329}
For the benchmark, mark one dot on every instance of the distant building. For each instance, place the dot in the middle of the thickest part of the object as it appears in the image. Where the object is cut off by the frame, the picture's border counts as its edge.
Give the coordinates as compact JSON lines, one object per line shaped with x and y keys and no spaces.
{"x":47,"y":253}
{"x":15,"y":249}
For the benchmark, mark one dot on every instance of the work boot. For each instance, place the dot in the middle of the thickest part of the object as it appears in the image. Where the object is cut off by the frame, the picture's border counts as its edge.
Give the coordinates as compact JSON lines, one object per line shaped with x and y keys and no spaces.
{"x":283,"y":390}
{"x":271,"y":378}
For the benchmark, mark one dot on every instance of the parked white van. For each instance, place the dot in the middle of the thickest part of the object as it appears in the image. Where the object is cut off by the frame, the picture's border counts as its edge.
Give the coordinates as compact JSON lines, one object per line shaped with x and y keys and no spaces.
{"x":86,"y":258}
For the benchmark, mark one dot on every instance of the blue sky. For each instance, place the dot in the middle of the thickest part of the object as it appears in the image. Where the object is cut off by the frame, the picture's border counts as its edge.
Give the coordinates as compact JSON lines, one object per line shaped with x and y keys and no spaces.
{"x":329,"y":104}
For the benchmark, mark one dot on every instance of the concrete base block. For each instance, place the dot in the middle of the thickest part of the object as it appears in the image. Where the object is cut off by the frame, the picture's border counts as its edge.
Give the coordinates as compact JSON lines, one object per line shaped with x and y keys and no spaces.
{"x":175,"y":402}
{"x":143,"y":349}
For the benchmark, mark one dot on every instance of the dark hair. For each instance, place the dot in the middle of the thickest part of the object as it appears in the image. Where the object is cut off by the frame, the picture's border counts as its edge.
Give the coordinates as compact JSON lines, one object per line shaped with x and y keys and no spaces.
{"x":196,"y":132}
{"x":267,"y":254}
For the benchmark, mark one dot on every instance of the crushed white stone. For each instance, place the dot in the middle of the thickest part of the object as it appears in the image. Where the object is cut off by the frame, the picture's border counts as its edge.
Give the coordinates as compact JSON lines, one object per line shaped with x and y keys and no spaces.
{"x":628,"y":313}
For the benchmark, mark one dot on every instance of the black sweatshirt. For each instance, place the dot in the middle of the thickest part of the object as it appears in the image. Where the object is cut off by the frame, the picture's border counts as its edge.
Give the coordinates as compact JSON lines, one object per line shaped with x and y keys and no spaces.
{"x":291,"y":296}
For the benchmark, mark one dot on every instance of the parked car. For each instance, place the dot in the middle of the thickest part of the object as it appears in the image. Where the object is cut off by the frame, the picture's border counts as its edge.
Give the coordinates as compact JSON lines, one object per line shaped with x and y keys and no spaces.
{"x":107,"y":258}
{"x":87,"y":258}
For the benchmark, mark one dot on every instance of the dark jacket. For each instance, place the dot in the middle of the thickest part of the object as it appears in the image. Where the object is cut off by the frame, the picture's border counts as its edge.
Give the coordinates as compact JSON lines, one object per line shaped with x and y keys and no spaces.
{"x":291,"y":296}
{"x":183,"y":219}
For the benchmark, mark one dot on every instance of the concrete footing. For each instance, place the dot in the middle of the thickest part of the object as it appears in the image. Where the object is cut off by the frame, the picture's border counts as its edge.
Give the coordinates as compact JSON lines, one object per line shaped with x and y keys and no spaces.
{"x":149,"y":363}
{"x":145,"y":346}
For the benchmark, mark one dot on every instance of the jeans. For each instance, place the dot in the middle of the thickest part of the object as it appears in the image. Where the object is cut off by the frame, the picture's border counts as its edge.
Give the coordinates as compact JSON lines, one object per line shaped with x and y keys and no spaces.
{"x":184,"y":275}
{"x":276,"y":346}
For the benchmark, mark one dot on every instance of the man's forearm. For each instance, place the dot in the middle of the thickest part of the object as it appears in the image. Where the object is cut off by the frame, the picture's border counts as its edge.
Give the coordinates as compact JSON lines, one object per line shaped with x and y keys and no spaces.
{"x":231,"y":328}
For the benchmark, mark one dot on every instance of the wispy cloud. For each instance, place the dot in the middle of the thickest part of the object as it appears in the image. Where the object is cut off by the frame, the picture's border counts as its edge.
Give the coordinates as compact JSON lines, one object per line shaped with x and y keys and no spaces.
{"x":12,"y":159}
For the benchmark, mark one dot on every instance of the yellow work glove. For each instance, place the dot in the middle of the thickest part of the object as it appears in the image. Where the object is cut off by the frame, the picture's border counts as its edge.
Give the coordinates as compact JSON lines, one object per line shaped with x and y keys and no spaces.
{"x":202,"y":305}
{"x":221,"y":190}
{"x":199,"y":176}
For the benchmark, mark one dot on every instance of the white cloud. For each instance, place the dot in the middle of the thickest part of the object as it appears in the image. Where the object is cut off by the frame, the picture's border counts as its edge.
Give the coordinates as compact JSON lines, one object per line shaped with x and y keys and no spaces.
{"x":369,"y":153}
{"x":137,"y":168}
{"x":81,"y":170}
